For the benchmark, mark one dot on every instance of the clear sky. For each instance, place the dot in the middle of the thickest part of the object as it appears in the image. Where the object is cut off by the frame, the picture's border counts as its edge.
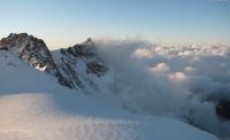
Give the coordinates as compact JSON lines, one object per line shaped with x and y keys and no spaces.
{"x":62,"y":23}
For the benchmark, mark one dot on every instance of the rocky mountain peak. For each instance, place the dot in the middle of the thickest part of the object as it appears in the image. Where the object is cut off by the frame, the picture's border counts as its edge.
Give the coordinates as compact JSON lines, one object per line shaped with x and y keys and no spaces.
{"x":30,"y":49}
{"x":74,"y":67}
{"x":87,"y":53}
{"x":86,"y":49}
{"x":34,"y":52}
{"x":82,"y":65}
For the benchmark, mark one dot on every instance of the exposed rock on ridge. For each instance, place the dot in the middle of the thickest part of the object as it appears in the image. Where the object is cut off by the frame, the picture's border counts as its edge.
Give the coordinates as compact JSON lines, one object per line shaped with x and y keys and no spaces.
{"x":76,"y":67}
{"x":34,"y":52}
{"x":82,"y":65}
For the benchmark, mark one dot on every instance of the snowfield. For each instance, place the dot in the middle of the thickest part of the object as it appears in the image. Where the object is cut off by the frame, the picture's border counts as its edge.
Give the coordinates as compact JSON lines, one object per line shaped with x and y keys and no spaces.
{"x":33,"y":106}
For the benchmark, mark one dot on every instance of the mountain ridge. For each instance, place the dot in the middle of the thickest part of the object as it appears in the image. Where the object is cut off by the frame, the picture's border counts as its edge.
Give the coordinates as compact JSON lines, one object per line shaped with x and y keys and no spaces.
{"x":36,"y":54}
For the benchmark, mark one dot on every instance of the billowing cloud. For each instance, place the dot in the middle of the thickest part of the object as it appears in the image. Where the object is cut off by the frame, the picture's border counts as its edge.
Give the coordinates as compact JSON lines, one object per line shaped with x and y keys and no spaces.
{"x":185,"y":82}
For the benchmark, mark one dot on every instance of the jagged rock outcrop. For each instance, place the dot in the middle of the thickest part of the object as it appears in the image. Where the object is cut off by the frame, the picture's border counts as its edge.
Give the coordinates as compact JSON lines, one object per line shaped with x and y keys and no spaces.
{"x":76,"y":67}
{"x":31,"y":50}
{"x":34,"y":52}
{"x":82,"y":65}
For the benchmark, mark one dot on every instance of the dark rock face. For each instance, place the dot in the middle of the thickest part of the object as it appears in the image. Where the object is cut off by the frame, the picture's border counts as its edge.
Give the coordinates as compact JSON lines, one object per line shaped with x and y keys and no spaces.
{"x":96,"y":68}
{"x":31,"y":50}
{"x":223,"y":109}
{"x":87,"y":49}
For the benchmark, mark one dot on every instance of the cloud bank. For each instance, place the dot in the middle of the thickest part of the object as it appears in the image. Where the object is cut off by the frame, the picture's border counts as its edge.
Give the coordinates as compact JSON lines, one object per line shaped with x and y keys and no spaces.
{"x":181,"y":82}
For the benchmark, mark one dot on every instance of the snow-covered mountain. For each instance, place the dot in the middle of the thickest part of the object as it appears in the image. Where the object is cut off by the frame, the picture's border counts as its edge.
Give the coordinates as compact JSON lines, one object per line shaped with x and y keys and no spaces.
{"x":34,"y":106}
{"x":44,"y":90}
{"x":74,"y":67}
{"x":34,"y":52}
{"x":81,"y":65}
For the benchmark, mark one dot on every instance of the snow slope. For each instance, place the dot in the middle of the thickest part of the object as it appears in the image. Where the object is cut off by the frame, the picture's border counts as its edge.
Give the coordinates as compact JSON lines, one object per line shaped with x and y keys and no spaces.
{"x":33,"y":106}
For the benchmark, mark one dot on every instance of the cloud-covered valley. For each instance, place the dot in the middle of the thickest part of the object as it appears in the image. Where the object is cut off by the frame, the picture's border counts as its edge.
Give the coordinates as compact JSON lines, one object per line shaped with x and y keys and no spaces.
{"x":182,"y":82}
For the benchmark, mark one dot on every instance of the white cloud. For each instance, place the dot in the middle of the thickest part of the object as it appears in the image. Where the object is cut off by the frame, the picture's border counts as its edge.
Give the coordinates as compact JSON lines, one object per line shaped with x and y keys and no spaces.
{"x":170,"y":80}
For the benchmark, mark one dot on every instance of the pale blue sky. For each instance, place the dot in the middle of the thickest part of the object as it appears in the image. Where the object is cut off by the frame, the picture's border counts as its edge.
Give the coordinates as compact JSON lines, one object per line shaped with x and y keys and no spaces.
{"x":172,"y":22}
